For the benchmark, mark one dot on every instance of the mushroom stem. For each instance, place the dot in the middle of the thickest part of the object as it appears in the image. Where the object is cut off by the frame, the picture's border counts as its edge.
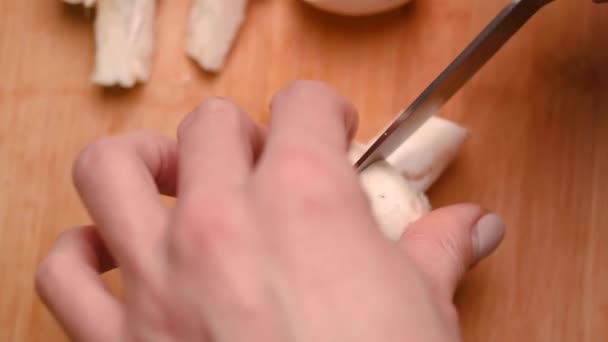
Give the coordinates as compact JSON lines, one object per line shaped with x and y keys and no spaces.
{"x":124,"y":39}
{"x":214,"y":25}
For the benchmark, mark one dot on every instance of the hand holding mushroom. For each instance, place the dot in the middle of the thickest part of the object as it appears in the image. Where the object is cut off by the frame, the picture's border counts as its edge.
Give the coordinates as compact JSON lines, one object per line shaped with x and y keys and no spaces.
{"x":271,"y":238}
{"x":273,"y":235}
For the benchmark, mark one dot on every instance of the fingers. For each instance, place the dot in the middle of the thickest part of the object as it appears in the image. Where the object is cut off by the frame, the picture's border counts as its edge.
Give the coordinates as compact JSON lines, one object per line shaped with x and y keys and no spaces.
{"x":118,"y":180}
{"x":217,"y":147}
{"x":310,"y":115}
{"x":304,"y":177}
{"x":448,"y":241}
{"x":68,"y":281}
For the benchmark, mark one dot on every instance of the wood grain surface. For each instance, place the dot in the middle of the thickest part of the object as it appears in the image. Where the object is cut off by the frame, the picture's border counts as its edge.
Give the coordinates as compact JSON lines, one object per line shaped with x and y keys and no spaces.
{"x":538,"y":153}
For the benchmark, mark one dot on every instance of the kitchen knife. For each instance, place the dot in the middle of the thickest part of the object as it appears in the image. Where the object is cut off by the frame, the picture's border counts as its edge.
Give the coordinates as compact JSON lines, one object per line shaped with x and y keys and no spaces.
{"x":465,"y":66}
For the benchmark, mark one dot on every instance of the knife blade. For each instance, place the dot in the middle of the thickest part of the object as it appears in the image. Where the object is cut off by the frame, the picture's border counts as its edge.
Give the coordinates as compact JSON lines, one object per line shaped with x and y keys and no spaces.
{"x":508,"y":22}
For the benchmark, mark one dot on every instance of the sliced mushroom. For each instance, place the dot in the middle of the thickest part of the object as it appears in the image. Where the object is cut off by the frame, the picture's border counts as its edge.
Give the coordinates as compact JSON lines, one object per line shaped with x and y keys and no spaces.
{"x":124,"y":39}
{"x":428,"y":152}
{"x":214,"y":25}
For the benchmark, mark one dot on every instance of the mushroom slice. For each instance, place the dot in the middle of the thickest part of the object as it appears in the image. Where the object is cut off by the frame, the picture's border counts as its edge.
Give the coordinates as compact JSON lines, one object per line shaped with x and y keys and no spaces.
{"x":214,"y":25}
{"x":124,"y":39}
{"x":428,"y":152}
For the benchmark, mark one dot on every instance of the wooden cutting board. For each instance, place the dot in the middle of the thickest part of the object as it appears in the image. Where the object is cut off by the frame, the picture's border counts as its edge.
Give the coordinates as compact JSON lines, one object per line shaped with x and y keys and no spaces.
{"x":538,"y":153}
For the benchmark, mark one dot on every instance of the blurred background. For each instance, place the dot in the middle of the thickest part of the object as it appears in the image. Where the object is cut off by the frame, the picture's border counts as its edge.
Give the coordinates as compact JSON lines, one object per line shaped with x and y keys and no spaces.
{"x":537,"y":154}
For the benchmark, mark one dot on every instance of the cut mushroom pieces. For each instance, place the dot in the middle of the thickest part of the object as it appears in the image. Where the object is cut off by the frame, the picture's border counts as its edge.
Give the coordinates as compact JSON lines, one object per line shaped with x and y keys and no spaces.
{"x":124,"y":40}
{"x":124,"y":34}
{"x":214,"y":25}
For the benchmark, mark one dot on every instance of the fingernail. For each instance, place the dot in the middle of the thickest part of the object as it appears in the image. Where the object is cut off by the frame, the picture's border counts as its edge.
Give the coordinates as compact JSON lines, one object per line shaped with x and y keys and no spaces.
{"x":487,"y":234}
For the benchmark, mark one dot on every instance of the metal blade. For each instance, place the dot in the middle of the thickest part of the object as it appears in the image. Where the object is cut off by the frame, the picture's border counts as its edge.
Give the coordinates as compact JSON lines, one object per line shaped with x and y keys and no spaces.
{"x":473,"y":58}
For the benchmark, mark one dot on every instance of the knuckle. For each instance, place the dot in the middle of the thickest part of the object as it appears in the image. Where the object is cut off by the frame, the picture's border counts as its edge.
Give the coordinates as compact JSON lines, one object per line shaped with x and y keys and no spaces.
{"x":445,"y":248}
{"x":305,"y":88}
{"x":453,"y":251}
{"x":214,"y":110}
{"x":204,"y":225}
{"x":249,"y":302}
{"x":450,"y":312}
{"x":143,"y":135}
{"x":309,"y":177}
{"x":314,"y":92}
{"x":447,"y":243}
{"x":68,"y":235}
{"x":450,"y":315}
{"x":219,"y":105}
{"x":48,"y":274}
{"x":51,"y":270}
{"x":302,"y":168}
{"x":100,"y":153}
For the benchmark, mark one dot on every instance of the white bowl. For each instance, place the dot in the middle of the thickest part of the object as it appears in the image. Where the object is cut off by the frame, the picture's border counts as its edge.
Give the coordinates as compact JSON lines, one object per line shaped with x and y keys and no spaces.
{"x":356,"y":7}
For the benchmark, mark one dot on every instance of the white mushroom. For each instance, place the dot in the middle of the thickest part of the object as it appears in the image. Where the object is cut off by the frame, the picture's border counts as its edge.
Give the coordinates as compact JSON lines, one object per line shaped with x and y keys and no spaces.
{"x":395,"y":187}
{"x":357,"y":7}
{"x":214,"y":25}
{"x":395,"y":204}
{"x":124,"y":39}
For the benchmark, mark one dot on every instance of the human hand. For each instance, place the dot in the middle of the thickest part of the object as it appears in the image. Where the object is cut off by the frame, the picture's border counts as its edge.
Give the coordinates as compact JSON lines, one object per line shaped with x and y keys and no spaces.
{"x":271,"y":237}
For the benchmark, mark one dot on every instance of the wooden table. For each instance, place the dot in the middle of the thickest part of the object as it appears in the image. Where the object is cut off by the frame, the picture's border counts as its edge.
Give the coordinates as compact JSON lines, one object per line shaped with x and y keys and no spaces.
{"x":538,"y":153}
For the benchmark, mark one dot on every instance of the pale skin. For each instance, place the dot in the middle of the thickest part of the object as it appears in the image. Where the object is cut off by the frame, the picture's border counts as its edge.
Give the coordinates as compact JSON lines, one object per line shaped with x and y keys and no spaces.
{"x":271,"y":237}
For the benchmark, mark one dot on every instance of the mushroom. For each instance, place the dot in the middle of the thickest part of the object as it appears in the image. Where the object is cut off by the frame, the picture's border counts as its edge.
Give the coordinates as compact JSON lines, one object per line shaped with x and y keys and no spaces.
{"x":428,"y":152}
{"x":124,"y":39}
{"x":394,"y":202}
{"x":356,"y":7}
{"x":214,"y":25}
{"x":396,"y":186}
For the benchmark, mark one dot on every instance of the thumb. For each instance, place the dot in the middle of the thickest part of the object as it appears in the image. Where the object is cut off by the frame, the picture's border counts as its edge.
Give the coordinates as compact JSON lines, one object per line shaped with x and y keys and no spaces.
{"x":447,"y":242}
